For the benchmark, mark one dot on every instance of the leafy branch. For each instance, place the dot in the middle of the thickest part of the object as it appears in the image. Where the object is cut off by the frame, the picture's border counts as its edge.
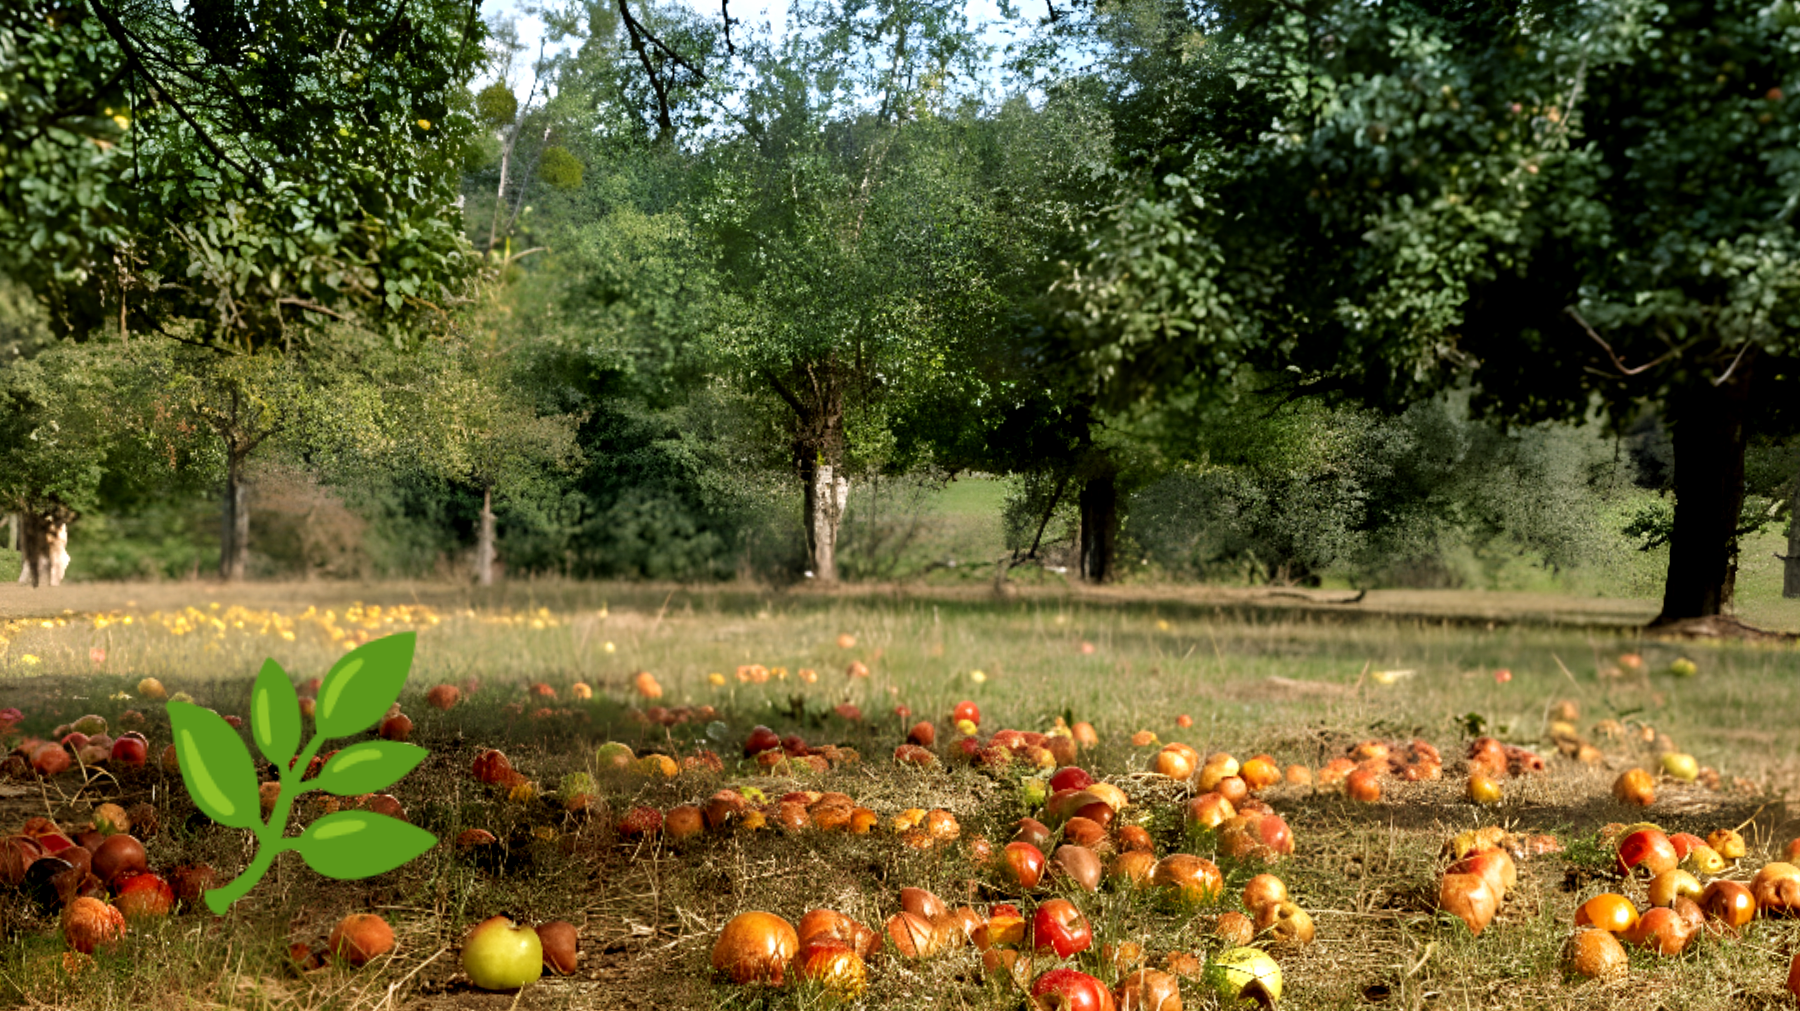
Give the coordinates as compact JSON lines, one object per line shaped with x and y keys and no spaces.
{"x":220,"y":775}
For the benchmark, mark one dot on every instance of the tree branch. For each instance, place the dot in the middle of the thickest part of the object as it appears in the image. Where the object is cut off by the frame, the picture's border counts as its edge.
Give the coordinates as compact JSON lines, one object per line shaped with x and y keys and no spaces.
{"x":783,"y":392}
{"x":1610,"y":353}
{"x":313,"y":307}
{"x":663,"y":121}
{"x":1721,"y":381}
{"x":725,"y":13}
{"x":121,"y":36}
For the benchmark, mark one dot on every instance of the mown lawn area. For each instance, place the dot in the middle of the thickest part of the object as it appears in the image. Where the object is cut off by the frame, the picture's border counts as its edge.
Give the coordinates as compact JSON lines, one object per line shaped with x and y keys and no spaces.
{"x":1299,"y":682}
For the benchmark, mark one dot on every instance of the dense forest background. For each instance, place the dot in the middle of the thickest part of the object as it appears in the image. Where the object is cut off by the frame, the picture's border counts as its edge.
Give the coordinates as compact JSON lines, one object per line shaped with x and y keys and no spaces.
{"x":1294,"y":294}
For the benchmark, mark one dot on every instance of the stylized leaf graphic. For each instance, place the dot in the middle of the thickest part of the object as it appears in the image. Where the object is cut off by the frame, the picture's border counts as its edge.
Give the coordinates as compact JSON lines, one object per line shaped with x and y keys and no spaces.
{"x":369,"y":766}
{"x":358,"y":844}
{"x":275,"y":715}
{"x":362,"y":685}
{"x":216,"y":766}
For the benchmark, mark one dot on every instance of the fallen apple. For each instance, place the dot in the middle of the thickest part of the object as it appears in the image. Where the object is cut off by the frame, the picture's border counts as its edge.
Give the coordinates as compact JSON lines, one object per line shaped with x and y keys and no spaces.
{"x":1730,"y":902}
{"x":1058,"y":925}
{"x":1595,"y":954}
{"x":1070,"y":990}
{"x":359,"y":937}
{"x":499,"y":954}
{"x":1245,"y":974}
{"x":1666,"y":887}
{"x":90,"y":923}
{"x":559,"y":941}
{"x":1148,"y":990}
{"x":1469,"y":898}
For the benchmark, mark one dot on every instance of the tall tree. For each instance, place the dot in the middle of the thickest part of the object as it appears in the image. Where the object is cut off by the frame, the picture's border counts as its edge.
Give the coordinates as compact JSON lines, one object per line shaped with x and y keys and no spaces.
{"x":1582,"y":203}
{"x":850,"y":237}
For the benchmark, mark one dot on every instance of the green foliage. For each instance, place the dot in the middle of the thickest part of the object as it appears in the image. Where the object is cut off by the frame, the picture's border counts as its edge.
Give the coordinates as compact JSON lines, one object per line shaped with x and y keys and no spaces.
{"x":241,"y":171}
{"x":560,"y":168}
{"x":496,"y":106}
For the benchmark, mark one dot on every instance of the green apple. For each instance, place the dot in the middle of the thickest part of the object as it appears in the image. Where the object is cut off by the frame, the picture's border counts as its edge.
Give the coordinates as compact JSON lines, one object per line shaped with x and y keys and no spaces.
{"x":501,"y":955}
{"x":1034,"y":792}
{"x":1684,"y":668}
{"x":1681,"y":766}
{"x":614,"y":755}
{"x":1240,"y":973}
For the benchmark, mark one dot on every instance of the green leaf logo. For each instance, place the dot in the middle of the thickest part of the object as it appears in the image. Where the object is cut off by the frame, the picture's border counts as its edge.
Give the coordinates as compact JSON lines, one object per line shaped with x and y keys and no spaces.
{"x":370,"y":766}
{"x":220,"y":775}
{"x":215,"y":766}
{"x":275,"y":715}
{"x":361,"y":687}
{"x":359,"y":844}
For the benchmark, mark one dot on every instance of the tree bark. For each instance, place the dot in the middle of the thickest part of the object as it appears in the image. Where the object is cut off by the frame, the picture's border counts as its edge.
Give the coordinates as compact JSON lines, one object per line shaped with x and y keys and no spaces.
{"x":33,"y":544}
{"x":234,"y":546}
{"x":484,"y":540}
{"x":827,"y":492}
{"x":1099,"y":525}
{"x":1790,"y":575}
{"x":1710,"y":434}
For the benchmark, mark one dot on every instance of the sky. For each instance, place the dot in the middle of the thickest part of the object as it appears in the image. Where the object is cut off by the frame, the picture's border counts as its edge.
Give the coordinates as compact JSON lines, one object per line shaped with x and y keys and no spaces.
{"x":531,"y":27}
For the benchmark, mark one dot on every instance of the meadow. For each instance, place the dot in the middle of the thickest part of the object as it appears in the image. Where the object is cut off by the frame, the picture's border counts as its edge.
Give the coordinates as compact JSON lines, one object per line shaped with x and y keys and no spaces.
{"x":1294,"y":676}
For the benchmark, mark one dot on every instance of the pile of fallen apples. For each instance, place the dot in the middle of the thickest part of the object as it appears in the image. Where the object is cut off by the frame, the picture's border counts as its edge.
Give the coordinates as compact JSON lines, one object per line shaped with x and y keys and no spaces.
{"x":833,"y":951}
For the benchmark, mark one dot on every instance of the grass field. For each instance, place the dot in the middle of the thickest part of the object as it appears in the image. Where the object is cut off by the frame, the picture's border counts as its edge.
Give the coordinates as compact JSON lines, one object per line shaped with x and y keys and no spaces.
{"x":1299,"y":680}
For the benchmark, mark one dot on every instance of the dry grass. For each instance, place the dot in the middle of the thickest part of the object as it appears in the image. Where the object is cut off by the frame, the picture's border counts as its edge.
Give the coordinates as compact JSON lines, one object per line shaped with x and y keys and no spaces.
{"x":1255,"y":675}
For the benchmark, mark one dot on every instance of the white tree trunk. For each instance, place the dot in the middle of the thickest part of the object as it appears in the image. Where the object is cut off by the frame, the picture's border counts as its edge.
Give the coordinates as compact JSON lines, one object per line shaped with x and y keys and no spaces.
{"x":831,"y":494}
{"x":484,"y":540}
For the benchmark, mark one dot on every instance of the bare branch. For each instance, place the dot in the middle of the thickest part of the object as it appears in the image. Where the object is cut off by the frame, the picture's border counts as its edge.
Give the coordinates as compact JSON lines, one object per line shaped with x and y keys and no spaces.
{"x":312,"y":307}
{"x":1610,"y":353}
{"x":725,"y":13}
{"x":1721,"y":381}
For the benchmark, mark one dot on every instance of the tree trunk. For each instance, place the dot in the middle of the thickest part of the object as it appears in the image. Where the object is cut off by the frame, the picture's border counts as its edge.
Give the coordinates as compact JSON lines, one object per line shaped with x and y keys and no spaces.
{"x":1790,"y":577}
{"x":234,"y":546}
{"x":1099,"y":525}
{"x":33,"y":544}
{"x":1709,"y":436}
{"x":827,"y":492}
{"x":484,"y":540}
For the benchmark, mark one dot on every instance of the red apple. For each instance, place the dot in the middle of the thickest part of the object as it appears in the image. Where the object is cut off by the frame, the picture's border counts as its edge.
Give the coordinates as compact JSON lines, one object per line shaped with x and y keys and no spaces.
{"x":144,"y":895}
{"x":1649,"y":849}
{"x":966,"y":710}
{"x":1022,"y":864}
{"x":131,"y":749}
{"x":1069,"y":990}
{"x":397,"y":727}
{"x":117,"y":856}
{"x":1058,"y":925}
{"x":761,"y":739}
{"x":1071,"y":778}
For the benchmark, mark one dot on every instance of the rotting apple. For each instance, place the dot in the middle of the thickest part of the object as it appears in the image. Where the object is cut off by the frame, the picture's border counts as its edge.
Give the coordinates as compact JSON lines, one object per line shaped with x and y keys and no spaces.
{"x":1469,"y":898}
{"x":1730,"y":902}
{"x":755,"y":947}
{"x":144,"y":895}
{"x":1246,"y":975}
{"x":559,"y":941}
{"x":1777,"y":889}
{"x":1188,"y":877}
{"x":1148,"y":990}
{"x":1070,"y":990}
{"x":1635,"y":786}
{"x":1263,"y":890}
{"x":1059,"y":926}
{"x":1646,"y":850}
{"x":1727,"y":842}
{"x":835,"y":966}
{"x":1666,"y":887}
{"x":360,"y":937}
{"x":1078,"y":864}
{"x":1608,"y":911}
{"x":1022,"y":864}
{"x":89,"y":923}
{"x":1595,"y":954}
{"x":913,"y":935}
{"x":1286,"y":922}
